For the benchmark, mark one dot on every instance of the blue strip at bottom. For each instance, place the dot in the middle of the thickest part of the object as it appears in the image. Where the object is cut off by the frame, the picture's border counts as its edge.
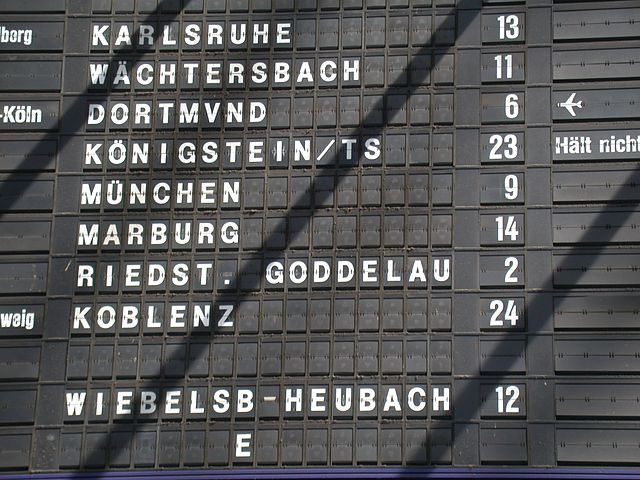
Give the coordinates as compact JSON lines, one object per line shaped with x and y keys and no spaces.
{"x":325,"y":473}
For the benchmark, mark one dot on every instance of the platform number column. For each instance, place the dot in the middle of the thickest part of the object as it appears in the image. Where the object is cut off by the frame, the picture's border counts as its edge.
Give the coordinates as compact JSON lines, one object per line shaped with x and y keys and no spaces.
{"x":502,"y":221}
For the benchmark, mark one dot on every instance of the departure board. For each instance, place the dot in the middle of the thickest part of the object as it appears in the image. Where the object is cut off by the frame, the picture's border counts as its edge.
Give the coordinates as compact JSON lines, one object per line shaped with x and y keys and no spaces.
{"x":319,"y":238}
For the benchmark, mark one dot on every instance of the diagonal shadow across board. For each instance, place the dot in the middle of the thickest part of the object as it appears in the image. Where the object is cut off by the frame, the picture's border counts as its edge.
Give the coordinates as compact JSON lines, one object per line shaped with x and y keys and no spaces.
{"x":73,"y":119}
{"x":76,"y":114}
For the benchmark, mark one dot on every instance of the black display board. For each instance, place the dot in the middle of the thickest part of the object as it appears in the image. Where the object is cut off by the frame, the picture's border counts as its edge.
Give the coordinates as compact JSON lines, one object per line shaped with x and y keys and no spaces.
{"x":319,"y":238}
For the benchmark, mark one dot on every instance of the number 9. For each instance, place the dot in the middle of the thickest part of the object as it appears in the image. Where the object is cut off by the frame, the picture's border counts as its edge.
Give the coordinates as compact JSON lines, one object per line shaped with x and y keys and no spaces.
{"x":511,"y":189}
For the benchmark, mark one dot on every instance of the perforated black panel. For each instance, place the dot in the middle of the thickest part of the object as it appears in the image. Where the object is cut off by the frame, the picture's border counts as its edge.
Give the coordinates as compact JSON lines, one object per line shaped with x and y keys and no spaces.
{"x":319,"y":238}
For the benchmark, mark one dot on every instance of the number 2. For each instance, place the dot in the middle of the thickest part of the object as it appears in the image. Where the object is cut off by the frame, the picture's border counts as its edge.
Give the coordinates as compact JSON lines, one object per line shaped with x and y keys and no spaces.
{"x":512,"y":264}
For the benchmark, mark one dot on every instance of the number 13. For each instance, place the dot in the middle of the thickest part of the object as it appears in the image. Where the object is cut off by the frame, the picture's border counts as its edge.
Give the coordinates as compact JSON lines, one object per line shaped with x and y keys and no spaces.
{"x":509,"y":28}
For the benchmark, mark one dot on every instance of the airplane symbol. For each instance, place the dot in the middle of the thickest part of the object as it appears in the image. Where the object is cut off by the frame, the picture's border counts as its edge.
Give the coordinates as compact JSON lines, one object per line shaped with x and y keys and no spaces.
{"x":569,"y":104}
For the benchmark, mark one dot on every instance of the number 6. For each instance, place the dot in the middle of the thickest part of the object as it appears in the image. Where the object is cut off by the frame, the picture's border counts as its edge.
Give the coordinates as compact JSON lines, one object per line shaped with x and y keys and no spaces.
{"x":511,"y":107}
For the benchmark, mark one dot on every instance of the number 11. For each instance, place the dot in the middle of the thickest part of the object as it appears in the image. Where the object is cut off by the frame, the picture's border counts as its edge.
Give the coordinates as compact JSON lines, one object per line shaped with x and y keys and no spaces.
{"x":509,"y":66}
